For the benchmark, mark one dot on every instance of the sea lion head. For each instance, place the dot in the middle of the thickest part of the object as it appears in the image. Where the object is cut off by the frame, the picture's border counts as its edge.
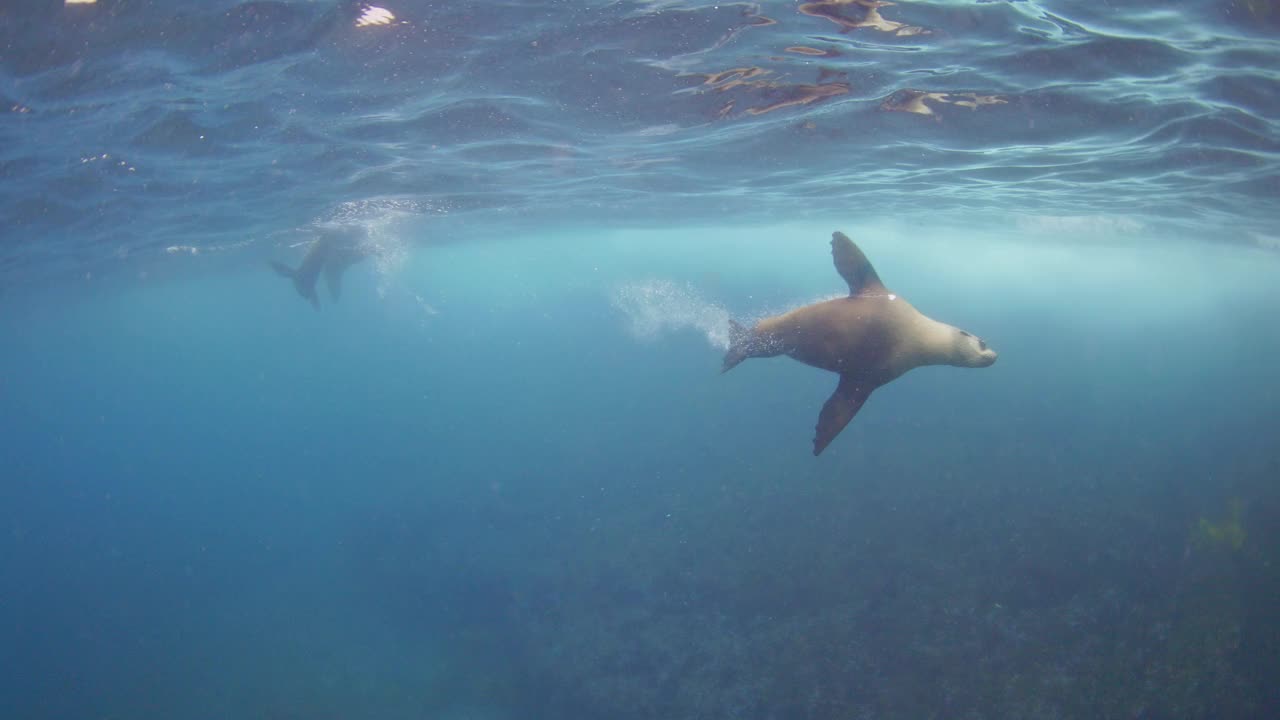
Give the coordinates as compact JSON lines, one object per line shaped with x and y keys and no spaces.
{"x":969,"y":350}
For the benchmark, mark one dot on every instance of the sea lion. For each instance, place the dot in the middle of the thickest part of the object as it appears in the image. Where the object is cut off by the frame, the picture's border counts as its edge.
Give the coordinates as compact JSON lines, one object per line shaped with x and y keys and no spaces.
{"x":869,"y":338}
{"x":331,"y":253}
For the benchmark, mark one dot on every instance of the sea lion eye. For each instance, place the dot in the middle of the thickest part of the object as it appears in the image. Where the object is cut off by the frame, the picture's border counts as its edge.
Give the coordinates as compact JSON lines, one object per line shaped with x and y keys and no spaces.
{"x":965,"y":334}
{"x":982,"y":345}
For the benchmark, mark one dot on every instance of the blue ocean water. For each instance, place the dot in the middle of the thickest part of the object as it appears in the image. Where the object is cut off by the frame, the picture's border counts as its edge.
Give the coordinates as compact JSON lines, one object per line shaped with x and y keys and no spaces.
{"x":500,"y":477}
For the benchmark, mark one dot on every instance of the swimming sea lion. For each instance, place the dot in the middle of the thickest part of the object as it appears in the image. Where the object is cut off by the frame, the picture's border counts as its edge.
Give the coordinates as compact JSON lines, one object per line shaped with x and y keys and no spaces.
{"x":331,"y":253}
{"x":870,"y":338}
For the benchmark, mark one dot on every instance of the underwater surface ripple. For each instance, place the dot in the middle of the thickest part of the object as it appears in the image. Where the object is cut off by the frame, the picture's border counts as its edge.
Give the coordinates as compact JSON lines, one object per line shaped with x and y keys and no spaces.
{"x":497,"y":472}
{"x":127,"y":124}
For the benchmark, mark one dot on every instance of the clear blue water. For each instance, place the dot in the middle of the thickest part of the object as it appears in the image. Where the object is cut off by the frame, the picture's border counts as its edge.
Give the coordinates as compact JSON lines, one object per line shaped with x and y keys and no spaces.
{"x":501,"y":477}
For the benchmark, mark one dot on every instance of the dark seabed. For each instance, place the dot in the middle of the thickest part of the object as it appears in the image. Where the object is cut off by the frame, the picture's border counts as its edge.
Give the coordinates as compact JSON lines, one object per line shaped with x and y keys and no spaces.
{"x":501,"y":478}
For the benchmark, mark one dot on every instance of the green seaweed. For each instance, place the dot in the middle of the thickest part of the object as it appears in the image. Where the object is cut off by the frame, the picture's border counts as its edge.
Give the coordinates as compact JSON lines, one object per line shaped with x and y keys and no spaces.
{"x":1227,"y":534}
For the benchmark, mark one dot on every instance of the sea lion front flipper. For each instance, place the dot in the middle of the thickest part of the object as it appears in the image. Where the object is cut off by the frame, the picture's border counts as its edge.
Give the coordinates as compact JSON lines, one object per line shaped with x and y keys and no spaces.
{"x":843,"y":404}
{"x":853,"y":266}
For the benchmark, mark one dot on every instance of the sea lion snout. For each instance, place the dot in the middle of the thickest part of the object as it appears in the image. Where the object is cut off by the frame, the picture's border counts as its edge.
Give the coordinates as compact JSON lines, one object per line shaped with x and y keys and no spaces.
{"x":987,"y":354}
{"x":987,"y":351}
{"x":973,"y":351}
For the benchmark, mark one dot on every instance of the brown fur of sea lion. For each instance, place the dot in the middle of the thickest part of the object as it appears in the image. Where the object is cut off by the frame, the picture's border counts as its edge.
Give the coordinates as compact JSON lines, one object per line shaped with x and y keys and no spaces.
{"x":870,"y":338}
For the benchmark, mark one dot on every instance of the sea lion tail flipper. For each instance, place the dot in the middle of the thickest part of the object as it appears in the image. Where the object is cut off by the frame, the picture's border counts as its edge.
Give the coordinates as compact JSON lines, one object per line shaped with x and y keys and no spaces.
{"x":306,"y":289}
{"x":853,"y":266}
{"x":840,"y":408}
{"x":739,"y":345}
{"x":283,"y":270}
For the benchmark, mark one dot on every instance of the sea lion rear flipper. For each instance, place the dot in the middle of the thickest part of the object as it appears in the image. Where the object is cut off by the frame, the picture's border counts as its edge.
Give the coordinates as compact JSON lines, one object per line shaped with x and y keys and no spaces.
{"x":283,"y":270}
{"x":840,"y":408}
{"x":853,"y":266}
{"x":300,"y":282}
{"x":739,"y":346}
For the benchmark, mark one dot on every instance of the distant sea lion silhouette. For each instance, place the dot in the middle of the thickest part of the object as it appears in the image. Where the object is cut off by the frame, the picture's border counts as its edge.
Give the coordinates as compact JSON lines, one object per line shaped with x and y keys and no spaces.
{"x":870,"y":338}
{"x":331,"y":253}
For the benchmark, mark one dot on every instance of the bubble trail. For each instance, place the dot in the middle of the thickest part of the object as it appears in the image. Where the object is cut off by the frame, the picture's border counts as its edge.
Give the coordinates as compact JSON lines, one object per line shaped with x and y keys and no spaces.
{"x":656,"y":307}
